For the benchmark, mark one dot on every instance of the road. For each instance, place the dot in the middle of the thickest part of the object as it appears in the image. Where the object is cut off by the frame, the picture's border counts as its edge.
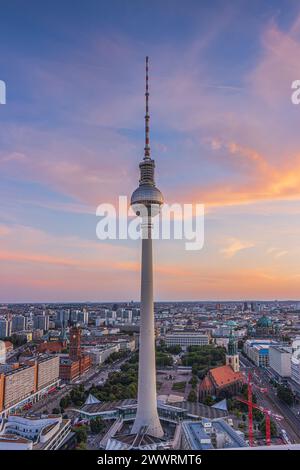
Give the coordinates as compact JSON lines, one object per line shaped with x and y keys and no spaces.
{"x":290,"y":422}
{"x":95,"y":376}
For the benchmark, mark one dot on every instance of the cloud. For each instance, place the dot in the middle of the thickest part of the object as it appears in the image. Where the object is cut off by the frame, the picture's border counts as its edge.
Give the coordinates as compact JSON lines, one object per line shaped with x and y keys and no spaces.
{"x":277,"y":253}
{"x":234,"y":246}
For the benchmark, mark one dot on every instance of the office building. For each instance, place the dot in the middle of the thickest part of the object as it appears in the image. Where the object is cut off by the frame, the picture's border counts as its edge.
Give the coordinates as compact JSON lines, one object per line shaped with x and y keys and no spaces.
{"x":99,"y":354}
{"x":258,"y":351}
{"x":280,"y":360}
{"x":186,"y":339}
{"x":27,"y":382}
{"x":5,"y":328}
{"x":210,"y":434}
{"x":34,"y":433}
{"x":19,"y":323}
{"x":41,"y":322}
{"x":83,"y":317}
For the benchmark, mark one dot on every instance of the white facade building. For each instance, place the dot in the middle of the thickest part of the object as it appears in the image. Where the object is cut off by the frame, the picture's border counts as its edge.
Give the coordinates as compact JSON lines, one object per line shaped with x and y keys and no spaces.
{"x":101,"y":353}
{"x":258,"y":351}
{"x":295,"y":368}
{"x":45,"y":433}
{"x":280,"y":360}
{"x":185,"y":339}
{"x":295,"y":361}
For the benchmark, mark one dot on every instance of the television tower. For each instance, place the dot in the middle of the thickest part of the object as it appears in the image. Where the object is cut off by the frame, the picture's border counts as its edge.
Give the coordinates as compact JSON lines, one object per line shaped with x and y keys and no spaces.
{"x":146,"y":201}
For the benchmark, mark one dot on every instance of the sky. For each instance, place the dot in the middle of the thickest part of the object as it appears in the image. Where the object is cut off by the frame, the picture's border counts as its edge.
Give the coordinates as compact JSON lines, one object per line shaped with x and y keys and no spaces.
{"x":224,"y":133}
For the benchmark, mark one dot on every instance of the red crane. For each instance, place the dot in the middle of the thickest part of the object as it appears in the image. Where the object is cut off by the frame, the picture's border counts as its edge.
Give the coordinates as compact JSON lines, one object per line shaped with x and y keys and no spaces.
{"x":266,"y":412}
{"x":252,"y":405}
{"x":250,"y":411}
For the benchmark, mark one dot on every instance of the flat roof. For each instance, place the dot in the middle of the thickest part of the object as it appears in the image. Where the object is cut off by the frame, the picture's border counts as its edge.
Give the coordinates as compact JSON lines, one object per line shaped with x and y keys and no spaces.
{"x":197,"y":436}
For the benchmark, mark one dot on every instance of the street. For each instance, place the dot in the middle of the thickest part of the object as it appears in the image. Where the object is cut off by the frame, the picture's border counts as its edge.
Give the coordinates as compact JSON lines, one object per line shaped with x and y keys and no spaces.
{"x":97,"y":375}
{"x":290,"y":422}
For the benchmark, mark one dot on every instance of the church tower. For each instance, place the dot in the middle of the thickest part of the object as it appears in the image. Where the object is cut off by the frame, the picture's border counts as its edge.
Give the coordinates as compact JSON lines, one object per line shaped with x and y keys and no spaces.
{"x":232,"y":357}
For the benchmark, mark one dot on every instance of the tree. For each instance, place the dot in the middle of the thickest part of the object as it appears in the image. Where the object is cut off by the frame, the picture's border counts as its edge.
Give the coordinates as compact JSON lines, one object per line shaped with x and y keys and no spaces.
{"x":77,"y":395}
{"x":81,"y":434}
{"x":194,"y":380}
{"x":285,"y":394}
{"x":163,"y":359}
{"x":208,"y":400}
{"x":65,"y":401}
{"x":81,"y":446}
{"x":175,"y":349}
{"x":97,"y":425}
{"x":262,"y":427}
{"x":115,"y":356}
{"x":203,"y":358}
{"x":192,"y":396}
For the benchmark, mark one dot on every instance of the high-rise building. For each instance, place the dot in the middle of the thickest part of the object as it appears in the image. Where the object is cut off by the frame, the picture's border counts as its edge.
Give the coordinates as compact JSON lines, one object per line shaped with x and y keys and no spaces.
{"x":5,"y":328}
{"x":48,"y":371}
{"x":28,"y":380}
{"x":280,"y":360}
{"x":19,"y":323}
{"x":83,"y":317}
{"x":63,"y":317}
{"x":41,"y":322}
{"x":146,"y":201}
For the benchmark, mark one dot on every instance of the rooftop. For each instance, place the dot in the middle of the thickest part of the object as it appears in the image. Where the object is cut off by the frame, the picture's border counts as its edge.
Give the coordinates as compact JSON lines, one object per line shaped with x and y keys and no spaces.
{"x":224,"y":375}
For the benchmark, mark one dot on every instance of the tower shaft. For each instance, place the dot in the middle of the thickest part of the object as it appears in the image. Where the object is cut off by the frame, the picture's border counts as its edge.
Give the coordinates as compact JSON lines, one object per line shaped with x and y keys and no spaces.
{"x":147,"y":416}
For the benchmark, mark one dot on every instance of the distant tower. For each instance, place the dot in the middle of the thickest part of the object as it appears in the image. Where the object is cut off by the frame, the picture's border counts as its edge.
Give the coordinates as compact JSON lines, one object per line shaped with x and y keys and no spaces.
{"x":75,"y":343}
{"x":232,"y":357}
{"x":148,"y":197}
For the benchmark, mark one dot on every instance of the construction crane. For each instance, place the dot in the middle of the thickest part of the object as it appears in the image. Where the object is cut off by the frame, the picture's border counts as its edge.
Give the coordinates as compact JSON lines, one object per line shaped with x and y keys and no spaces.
{"x":251,"y":405}
{"x":266,"y":412}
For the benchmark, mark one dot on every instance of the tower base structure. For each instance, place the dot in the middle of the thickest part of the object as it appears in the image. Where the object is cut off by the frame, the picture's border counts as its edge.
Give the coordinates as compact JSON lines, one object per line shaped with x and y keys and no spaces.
{"x":151,"y":426}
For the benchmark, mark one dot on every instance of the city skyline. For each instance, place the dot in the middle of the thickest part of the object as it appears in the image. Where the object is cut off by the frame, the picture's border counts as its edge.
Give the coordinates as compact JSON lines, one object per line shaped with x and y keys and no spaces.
{"x":223,"y":127}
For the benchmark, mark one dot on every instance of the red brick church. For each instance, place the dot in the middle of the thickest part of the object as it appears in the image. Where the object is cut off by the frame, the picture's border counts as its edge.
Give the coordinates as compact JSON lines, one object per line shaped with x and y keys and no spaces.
{"x":224,"y":380}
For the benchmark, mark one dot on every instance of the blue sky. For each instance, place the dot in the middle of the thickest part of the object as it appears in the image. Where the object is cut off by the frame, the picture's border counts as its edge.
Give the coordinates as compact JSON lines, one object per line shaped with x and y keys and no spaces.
{"x":223,"y":133}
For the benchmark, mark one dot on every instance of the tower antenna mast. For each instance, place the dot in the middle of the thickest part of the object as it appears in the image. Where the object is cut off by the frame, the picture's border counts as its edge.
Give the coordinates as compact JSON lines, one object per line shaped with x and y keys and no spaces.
{"x":147,"y":116}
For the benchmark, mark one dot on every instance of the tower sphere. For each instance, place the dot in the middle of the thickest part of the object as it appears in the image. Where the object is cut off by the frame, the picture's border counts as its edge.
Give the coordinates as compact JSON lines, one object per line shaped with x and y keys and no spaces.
{"x":148,"y":198}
